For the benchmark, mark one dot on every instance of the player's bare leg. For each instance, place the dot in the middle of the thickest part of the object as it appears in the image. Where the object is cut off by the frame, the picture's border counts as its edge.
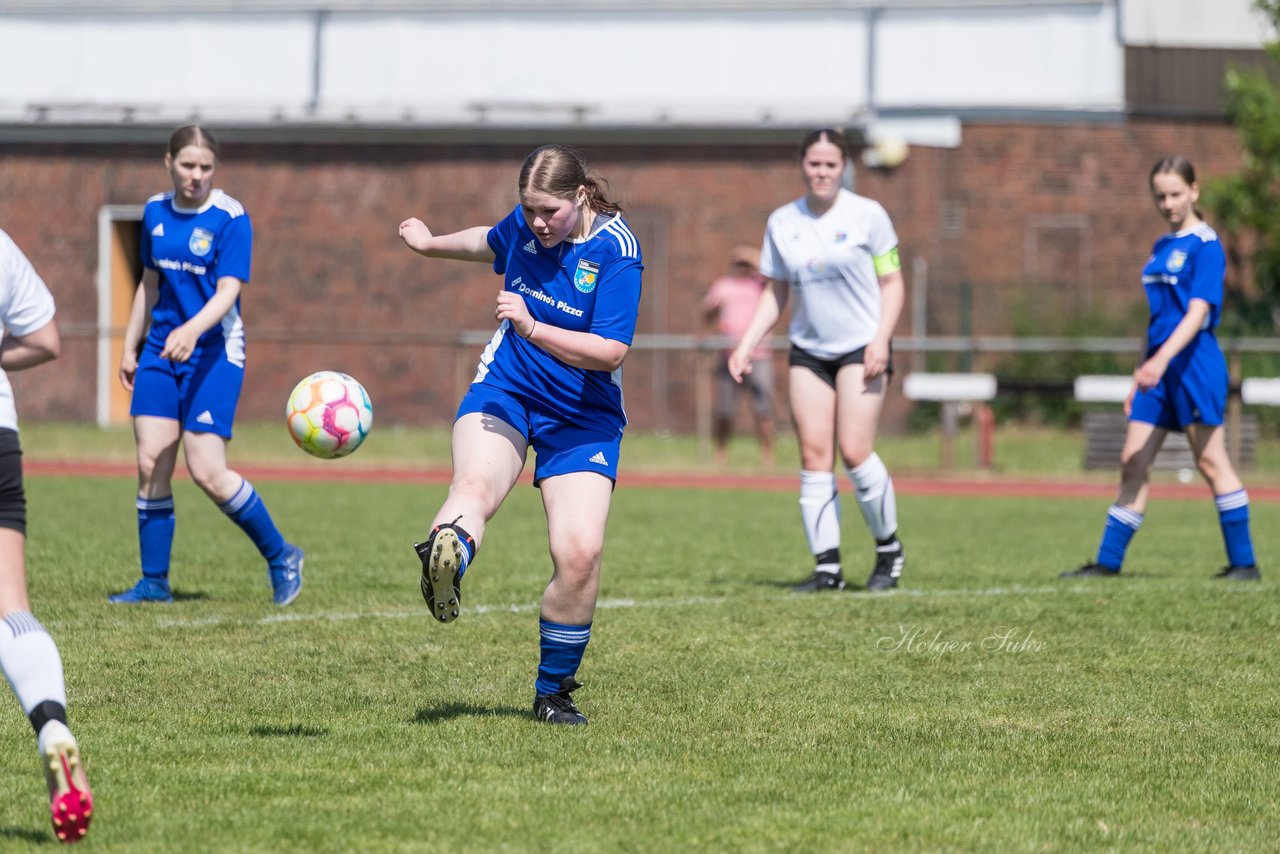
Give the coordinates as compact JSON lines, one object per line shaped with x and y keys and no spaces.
{"x":488,"y":456}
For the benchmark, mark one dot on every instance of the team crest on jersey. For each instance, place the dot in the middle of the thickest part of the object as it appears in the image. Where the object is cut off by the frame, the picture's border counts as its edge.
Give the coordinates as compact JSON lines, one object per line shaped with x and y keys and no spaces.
{"x":841,"y":236}
{"x":1177,"y":258}
{"x":584,"y":278}
{"x":201,"y":242}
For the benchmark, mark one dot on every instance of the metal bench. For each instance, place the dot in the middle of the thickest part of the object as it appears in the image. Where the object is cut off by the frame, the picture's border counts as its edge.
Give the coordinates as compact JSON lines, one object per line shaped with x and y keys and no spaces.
{"x":952,"y":391}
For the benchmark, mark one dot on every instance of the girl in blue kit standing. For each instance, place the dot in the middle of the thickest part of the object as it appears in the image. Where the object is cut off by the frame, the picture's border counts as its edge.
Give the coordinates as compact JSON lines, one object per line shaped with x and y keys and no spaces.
{"x":1182,"y":382}
{"x":550,"y":379}
{"x":196,"y":249}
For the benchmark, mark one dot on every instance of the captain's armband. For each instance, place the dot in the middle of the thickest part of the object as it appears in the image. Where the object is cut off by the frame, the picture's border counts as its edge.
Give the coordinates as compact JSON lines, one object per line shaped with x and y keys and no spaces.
{"x":887,"y":263}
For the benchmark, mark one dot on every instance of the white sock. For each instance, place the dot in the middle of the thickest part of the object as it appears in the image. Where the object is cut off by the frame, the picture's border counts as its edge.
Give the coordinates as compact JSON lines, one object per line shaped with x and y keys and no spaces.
{"x":874,"y":489}
{"x":31,"y":662}
{"x":820,"y":513}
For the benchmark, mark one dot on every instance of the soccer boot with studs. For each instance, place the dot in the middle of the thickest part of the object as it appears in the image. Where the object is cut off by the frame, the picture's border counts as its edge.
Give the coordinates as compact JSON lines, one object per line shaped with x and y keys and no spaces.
{"x":559,"y":708}
{"x":146,"y":590}
{"x":286,"y":575}
{"x":820,"y":581}
{"x":1091,"y":570}
{"x":443,"y":558}
{"x":70,"y":801}
{"x":890,"y":560}
{"x":1240,"y":573}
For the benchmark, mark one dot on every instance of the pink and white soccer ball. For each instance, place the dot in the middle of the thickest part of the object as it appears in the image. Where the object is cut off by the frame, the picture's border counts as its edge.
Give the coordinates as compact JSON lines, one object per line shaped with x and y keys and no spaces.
{"x":329,"y":414}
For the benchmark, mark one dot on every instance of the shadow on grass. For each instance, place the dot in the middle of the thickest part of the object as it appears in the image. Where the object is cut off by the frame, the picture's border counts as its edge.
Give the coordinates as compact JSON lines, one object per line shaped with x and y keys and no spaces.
{"x":36,"y":837}
{"x":291,"y":731}
{"x":449,"y":711}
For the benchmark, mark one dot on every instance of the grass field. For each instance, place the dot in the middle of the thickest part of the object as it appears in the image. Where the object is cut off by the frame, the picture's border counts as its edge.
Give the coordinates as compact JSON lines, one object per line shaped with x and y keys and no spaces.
{"x":1020,"y":451}
{"x":985,"y":706}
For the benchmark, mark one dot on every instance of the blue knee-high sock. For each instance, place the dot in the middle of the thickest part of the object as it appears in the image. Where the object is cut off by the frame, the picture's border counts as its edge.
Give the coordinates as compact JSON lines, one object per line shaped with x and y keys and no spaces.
{"x":248,"y":511}
{"x":156,"y":523}
{"x":1233,"y":516}
{"x":562,"y":647}
{"x":1122,"y":524}
{"x":465,"y":540}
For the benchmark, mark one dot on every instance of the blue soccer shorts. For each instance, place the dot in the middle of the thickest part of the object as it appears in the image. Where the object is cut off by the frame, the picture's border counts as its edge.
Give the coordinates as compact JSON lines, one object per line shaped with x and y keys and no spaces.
{"x":1192,"y":391}
{"x":200,"y":394}
{"x":561,"y":447}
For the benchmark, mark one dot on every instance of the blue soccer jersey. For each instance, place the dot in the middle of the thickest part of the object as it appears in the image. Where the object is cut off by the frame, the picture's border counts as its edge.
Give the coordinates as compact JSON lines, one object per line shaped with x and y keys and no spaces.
{"x":588,"y":285}
{"x":1183,"y":266}
{"x":191,"y":250}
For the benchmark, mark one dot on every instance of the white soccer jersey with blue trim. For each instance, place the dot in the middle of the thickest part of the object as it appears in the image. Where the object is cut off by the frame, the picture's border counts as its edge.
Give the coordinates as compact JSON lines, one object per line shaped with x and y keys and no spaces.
{"x":587,"y":285}
{"x":829,"y":262}
{"x":191,"y":250}
{"x":25,"y":306}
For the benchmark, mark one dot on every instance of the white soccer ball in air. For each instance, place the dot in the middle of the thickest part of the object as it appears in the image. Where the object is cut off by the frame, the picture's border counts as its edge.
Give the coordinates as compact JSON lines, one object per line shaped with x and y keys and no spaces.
{"x":329,"y":414}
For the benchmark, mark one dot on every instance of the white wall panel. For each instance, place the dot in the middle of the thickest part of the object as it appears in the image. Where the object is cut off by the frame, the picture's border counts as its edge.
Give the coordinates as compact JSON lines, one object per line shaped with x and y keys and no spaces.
{"x":1059,"y":58}
{"x":179,"y":62}
{"x":618,"y":67}
{"x":1194,"y":23}
{"x":605,"y":67}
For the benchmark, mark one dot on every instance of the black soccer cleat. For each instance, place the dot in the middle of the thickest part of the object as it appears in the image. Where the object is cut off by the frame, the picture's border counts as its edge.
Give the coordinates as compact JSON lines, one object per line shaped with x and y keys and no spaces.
{"x":558,"y":708}
{"x":890,"y":560}
{"x":819,"y":582}
{"x":441,"y":557}
{"x":1240,"y":573}
{"x":1091,"y":570}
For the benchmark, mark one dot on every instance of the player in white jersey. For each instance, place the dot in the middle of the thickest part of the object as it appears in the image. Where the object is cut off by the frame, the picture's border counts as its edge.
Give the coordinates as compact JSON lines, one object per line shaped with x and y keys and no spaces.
{"x":837,"y":254}
{"x":1182,"y":382}
{"x":28,"y":656}
{"x":549,"y":379}
{"x":186,"y":374}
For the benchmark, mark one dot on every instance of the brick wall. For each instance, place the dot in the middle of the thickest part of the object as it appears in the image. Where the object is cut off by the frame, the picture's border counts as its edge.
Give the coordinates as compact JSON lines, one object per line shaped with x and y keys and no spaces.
{"x":1022,"y":225}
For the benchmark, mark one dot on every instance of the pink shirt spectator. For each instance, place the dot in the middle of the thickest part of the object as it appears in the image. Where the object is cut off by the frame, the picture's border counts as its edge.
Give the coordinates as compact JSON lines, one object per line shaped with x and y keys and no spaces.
{"x":733,"y":299}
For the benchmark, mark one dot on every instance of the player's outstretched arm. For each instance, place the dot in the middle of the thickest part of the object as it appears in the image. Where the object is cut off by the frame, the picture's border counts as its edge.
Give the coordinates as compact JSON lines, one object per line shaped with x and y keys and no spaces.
{"x":470,"y":244}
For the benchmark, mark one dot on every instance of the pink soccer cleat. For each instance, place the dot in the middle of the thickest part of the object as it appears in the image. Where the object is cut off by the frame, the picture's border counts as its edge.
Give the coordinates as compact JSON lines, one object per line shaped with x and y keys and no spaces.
{"x":70,"y":801}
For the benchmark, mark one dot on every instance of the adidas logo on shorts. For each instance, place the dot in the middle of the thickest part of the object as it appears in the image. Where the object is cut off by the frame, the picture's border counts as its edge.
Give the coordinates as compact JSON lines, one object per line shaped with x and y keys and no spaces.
{"x":598,"y":459}
{"x":205,"y":417}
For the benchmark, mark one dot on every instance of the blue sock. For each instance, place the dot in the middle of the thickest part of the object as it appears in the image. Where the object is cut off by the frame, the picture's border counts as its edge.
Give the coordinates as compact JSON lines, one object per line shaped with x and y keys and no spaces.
{"x":468,"y":550}
{"x":246,"y":509}
{"x":1122,"y":524}
{"x":465,"y":540}
{"x":156,"y":522}
{"x":562,"y":648}
{"x":1233,"y":516}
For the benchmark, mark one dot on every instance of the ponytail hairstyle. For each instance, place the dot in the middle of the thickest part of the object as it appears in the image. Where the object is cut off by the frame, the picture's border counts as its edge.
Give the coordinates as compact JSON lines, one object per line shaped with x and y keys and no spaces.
{"x":1178,"y":165}
{"x":559,"y":171}
{"x":193,"y":135}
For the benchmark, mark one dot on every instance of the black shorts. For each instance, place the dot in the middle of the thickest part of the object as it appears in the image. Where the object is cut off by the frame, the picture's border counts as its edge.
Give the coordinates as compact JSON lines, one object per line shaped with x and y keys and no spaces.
{"x":826,"y":369}
{"x":13,"y":500}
